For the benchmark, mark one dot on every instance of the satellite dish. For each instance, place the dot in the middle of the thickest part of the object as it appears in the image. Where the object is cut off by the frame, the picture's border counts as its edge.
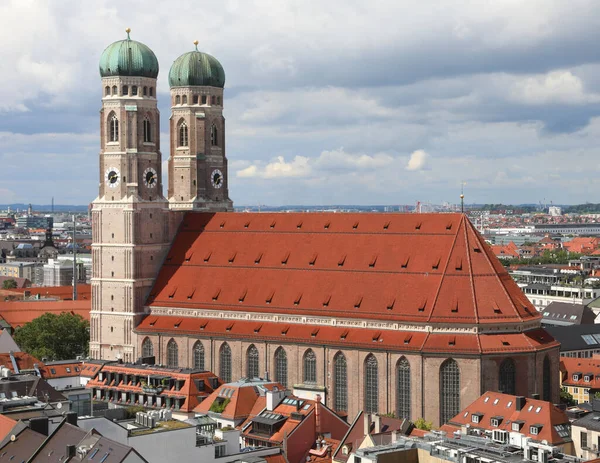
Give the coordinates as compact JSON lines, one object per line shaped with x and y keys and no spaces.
{"x":59,"y":405}
{"x":13,"y":438}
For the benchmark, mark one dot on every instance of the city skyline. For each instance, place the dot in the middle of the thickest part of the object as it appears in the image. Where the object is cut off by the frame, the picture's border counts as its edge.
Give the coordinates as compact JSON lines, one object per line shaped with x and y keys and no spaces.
{"x":388,"y":104}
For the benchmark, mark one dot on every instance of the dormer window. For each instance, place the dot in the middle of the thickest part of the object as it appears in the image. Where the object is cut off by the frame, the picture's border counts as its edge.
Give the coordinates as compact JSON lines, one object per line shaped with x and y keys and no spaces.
{"x":575,"y":377}
{"x":535,"y":429}
{"x":586,"y":379}
{"x":516,"y":425}
{"x":495,"y":422}
{"x":475,"y":417}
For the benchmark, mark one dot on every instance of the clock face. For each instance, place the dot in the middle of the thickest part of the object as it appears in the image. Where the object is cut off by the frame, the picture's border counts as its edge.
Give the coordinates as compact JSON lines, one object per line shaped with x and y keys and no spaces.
{"x":150,"y":177}
{"x":113,"y":176}
{"x":216,"y":178}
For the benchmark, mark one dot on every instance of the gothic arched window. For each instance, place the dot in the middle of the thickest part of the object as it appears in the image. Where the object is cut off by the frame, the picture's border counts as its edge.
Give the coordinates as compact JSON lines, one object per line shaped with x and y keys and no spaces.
{"x":252,"y":370}
{"x":184,"y":99}
{"x":151,"y":91}
{"x":195,"y":99}
{"x":371,"y":384}
{"x":214,"y":136}
{"x":183,"y":134}
{"x":403,"y":389}
{"x":506,"y":377}
{"x":281,"y":374}
{"x":177,"y":99}
{"x":198,"y":356}
{"x":134,"y":90}
{"x":172,"y":354}
{"x":145,"y":91}
{"x":107,"y":91}
{"x":449,"y":390}
{"x":340,"y":383}
{"x":125,"y":90}
{"x":310,"y":367}
{"x":547,"y":380}
{"x":147,"y":130}
{"x":225,"y":363}
{"x":113,"y":128}
{"x":147,"y":348}
{"x":114,"y":90}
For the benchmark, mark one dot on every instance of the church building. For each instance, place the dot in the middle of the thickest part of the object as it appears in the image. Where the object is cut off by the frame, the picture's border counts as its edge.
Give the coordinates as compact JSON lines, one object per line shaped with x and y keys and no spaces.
{"x":410,"y":314}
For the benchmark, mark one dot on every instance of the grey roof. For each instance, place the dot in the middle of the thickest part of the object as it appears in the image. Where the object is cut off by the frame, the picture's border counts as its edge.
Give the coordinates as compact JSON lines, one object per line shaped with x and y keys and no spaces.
{"x":571,"y":337}
{"x":590,"y":421}
{"x":565,"y":313}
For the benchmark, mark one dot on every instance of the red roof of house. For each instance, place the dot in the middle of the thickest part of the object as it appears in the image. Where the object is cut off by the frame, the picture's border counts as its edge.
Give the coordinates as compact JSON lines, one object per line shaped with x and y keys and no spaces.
{"x":504,"y":408}
{"x":585,"y":367}
{"x":581,"y":244}
{"x":17,"y":313}
{"x":23,"y":359}
{"x":433,"y":268}
{"x":189,"y":391}
{"x":6,"y":425}
{"x":62,"y":369}
{"x":84,"y":292}
{"x":372,"y":339}
{"x":242,"y":397}
{"x":507,"y":250}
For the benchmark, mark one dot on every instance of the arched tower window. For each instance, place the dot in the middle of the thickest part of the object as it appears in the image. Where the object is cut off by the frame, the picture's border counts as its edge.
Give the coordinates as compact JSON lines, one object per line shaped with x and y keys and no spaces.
{"x":218,"y":101}
{"x":184,"y":99}
{"x":371,"y":384}
{"x":172,"y":354}
{"x":214,"y":136}
{"x":134,"y":90}
{"x":147,"y":348}
{"x":183,"y":134}
{"x":145,"y":91}
{"x":147,"y":130}
{"x":403,"y":389}
{"x":281,"y":373}
{"x":547,"y":380}
{"x":310,"y":367}
{"x":252,"y":368}
{"x":113,"y":128}
{"x":177,"y":99}
{"x":212,"y":100}
{"x":203,"y":99}
{"x":506,"y":377}
{"x":225,"y":363}
{"x":449,"y":390}
{"x":198,"y":356}
{"x":195,"y":99}
{"x":151,"y":91}
{"x":107,"y":91}
{"x":125,"y":90}
{"x":340,"y":383}
{"x":114,"y":90}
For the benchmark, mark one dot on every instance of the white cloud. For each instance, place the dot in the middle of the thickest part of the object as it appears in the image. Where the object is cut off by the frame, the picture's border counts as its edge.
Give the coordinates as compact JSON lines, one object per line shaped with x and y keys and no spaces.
{"x":417,"y":161}
{"x":555,"y":87}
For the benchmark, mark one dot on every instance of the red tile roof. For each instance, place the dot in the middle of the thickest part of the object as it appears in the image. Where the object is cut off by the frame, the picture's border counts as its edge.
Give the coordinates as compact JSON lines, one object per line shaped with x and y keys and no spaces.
{"x":497,"y":405}
{"x":403,"y":267}
{"x":62,"y":370}
{"x":372,"y":339}
{"x":585,"y":367}
{"x":6,"y":425}
{"x":84,"y":292}
{"x":23,"y":359}
{"x":241,"y":400}
{"x":189,"y":390}
{"x":18,"y":313}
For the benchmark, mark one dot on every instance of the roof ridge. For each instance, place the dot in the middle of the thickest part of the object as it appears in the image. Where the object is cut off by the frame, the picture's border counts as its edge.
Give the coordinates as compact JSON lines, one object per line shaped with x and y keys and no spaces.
{"x":468,"y":253}
{"x":439,"y":288}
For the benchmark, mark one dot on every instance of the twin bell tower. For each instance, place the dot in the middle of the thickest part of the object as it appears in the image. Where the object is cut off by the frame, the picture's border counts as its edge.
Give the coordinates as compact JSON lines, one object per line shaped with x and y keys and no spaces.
{"x":133,"y":223}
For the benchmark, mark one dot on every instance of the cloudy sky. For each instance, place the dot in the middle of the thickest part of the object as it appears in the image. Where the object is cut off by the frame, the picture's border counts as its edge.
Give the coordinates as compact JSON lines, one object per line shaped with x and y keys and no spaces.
{"x":327,"y":102}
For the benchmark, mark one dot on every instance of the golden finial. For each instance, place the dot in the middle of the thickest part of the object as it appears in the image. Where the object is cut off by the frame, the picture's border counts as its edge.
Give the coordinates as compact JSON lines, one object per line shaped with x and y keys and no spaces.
{"x":196,"y":44}
{"x":128,"y":30}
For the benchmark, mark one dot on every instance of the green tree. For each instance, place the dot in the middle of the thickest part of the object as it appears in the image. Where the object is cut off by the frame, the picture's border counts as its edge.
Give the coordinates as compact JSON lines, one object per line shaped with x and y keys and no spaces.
{"x":424,"y":425}
{"x":56,"y":337}
{"x":567,"y":398}
{"x":9,"y":284}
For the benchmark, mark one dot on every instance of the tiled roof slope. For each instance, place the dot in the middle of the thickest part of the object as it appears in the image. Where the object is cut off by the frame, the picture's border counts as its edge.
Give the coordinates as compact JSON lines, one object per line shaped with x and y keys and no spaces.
{"x":589,"y":367}
{"x":18,"y":313}
{"x":431,"y":268}
{"x":553,"y":423}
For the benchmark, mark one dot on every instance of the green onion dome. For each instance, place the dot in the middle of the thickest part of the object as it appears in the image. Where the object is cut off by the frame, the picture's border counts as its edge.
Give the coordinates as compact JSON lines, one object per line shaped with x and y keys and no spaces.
{"x":196,"y":69}
{"x":128,"y":58}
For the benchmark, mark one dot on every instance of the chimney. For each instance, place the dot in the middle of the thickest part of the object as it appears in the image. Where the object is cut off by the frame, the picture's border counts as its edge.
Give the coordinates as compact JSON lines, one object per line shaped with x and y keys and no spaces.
{"x":394,"y":436}
{"x":274,"y":398}
{"x":377,"y":421}
{"x":367,"y":422}
{"x":318,"y":444}
{"x":70,"y":451}
{"x":39,"y":424}
{"x":71,"y":418}
{"x":535,"y":396}
{"x":520,"y":402}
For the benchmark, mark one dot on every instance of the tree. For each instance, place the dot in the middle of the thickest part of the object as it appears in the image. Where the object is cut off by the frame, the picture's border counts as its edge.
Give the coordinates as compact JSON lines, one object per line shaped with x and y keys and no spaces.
{"x":9,"y":284}
{"x":567,"y":398}
{"x":56,"y":337}
{"x":424,"y":425}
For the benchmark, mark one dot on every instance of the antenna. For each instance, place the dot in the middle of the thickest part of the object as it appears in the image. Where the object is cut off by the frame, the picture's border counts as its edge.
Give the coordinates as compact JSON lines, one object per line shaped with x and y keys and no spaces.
{"x":462,"y":196}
